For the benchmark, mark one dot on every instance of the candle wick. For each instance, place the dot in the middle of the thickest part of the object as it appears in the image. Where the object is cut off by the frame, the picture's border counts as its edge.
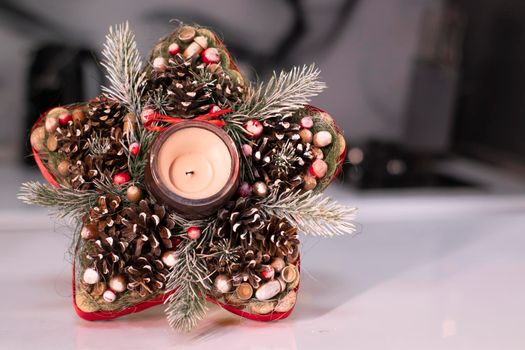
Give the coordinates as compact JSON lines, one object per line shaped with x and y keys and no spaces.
{"x":189,"y":172}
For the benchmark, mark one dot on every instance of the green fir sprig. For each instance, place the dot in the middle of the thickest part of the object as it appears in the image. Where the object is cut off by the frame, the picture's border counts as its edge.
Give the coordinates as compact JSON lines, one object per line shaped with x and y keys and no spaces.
{"x":312,"y":212}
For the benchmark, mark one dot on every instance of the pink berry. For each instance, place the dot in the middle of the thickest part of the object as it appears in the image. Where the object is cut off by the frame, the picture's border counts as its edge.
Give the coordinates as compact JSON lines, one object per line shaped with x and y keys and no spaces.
{"x":245,"y":190}
{"x":307,"y":122}
{"x":109,"y":296}
{"x":214,"y":109}
{"x":210,"y":55}
{"x":318,"y":168}
{"x":194,"y":233}
{"x":173,"y":49}
{"x":64,"y":118}
{"x":247,"y":150}
{"x":147,"y":116}
{"x":267,"y":272}
{"x":254,"y":128}
{"x":134,"y":148}
{"x":121,"y":178}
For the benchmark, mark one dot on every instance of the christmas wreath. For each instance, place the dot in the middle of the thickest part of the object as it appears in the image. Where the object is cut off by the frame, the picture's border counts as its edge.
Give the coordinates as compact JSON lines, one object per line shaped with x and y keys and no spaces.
{"x":186,"y":183}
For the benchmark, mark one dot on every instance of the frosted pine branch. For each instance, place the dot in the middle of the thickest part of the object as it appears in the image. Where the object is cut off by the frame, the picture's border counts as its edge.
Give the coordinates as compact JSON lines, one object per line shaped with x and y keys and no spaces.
{"x":284,"y":93}
{"x":188,"y":280}
{"x":313,"y":213}
{"x":63,"y":202}
{"x":123,"y":66}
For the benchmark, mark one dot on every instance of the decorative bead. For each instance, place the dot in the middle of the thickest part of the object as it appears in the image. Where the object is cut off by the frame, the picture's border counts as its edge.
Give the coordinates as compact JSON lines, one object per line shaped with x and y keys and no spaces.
{"x":51,"y":123}
{"x":52,"y":143}
{"x":267,"y":272}
{"x":322,"y":138}
{"x":78,"y":116}
{"x":254,"y":128}
{"x":194,"y":233}
{"x":278,"y":264}
{"x":134,"y":194}
{"x":63,"y":168}
{"x":318,"y":168}
{"x":147,"y":115}
{"x":289,"y":274}
{"x":309,"y":182}
{"x":245,"y":190}
{"x":37,"y":138}
{"x":342,"y":144}
{"x":118,"y":283}
{"x":186,"y":34}
{"x":169,"y":258}
{"x":90,"y":276}
{"x":306,"y":135}
{"x":268,"y":290}
{"x":173,"y":49}
{"x":307,"y":122}
{"x":244,"y":291}
{"x":89,"y":231}
{"x":160,"y":64}
{"x":211,"y":55}
{"x":286,"y":303}
{"x":247,"y":150}
{"x":134,"y":148}
{"x":222,"y":284}
{"x":260,"y":189}
{"x":109,"y":296}
{"x":317,"y":152}
{"x":121,"y":178}
{"x":65,"y":118}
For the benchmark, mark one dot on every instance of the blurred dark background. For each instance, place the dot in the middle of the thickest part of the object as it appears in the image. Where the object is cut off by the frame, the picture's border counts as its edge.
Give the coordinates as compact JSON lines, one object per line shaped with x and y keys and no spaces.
{"x":430,"y":93}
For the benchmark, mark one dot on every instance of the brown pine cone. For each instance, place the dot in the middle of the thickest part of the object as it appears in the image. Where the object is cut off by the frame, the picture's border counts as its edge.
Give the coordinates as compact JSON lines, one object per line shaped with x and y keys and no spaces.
{"x":104,"y":113}
{"x":280,"y":239}
{"x":146,"y":274}
{"x":150,"y":227}
{"x":239,"y":221}
{"x":187,"y":89}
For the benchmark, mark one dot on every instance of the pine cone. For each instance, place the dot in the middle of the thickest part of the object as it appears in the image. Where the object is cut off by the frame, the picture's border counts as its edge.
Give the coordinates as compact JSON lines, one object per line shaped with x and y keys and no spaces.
{"x":239,"y":221}
{"x":108,"y":250}
{"x":280,"y":239}
{"x":104,"y":113}
{"x":150,"y":226}
{"x":146,"y":274}
{"x":185,"y":88}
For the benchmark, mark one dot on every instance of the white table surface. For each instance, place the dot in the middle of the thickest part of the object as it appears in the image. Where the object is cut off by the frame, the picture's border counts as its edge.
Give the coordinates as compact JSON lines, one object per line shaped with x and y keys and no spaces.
{"x":427,"y":271}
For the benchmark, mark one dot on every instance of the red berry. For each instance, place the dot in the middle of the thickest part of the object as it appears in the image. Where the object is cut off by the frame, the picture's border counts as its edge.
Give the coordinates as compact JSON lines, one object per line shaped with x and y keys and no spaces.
{"x":214,"y":109}
{"x":245,"y":190}
{"x":173,"y":49}
{"x":307,"y":122}
{"x":194,"y":233}
{"x":121,"y":178}
{"x":147,"y":116}
{"x":267,"y":272}
{"x":134,"y":148}
{"x":318,"y":168}
{"x":211,"y":55}
{"x":254,"y":128}
{"x":64,"y":118}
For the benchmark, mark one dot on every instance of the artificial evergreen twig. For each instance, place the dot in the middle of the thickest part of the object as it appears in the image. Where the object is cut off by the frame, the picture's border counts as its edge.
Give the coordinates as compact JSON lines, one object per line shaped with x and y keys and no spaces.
{"x":313,"y":213}
{"x":123,"y":66}
{"x":284,"y":93}
{"x":188,"y":280}
{"x":64,"y":202}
